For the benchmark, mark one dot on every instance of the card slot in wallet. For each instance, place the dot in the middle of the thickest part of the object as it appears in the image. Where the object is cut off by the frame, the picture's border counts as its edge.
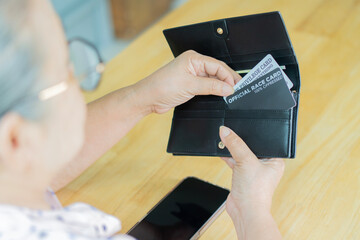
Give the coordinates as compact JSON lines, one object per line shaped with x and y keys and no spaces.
{"x":199,"y":114}
{"x":198,"y":103}
{"x":233,"y":113}
{"x":266,"y":132}
{"x":257,"y":114}
{"x":200,"y":139}
{"x":265,"y":137}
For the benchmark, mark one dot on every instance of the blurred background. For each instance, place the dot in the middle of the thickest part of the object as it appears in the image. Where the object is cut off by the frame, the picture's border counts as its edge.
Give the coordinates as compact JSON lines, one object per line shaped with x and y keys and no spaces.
{"x":111,"y":24}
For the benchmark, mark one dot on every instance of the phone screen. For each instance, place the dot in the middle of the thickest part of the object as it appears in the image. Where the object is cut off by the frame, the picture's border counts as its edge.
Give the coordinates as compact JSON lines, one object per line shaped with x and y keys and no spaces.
{"x":182,"y":212}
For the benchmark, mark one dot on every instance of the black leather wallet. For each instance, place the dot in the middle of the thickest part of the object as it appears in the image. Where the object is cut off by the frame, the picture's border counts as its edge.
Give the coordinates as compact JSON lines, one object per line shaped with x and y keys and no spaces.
{"x":241,"y":42}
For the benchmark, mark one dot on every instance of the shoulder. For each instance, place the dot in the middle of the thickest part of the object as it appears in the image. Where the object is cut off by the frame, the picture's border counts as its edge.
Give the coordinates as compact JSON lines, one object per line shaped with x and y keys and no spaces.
{"x":76,"y":222}
{"x":13,"y":223}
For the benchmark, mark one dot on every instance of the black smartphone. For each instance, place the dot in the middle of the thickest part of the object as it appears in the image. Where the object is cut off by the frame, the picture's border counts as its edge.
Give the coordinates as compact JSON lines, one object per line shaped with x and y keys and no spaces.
{"x":184,"y":213}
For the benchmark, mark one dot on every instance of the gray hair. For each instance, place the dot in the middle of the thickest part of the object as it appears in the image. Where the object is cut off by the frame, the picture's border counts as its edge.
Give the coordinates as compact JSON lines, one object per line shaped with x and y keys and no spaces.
{"x":20,"y":61}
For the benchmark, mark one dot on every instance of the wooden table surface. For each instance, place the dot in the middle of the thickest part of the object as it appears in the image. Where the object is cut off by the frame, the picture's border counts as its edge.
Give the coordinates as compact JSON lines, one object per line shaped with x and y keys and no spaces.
{"x":319,"y":195}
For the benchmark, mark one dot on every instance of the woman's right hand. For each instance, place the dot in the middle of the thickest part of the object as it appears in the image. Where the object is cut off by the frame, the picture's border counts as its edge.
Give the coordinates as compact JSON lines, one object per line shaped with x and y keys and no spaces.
{"x":253,"y":184}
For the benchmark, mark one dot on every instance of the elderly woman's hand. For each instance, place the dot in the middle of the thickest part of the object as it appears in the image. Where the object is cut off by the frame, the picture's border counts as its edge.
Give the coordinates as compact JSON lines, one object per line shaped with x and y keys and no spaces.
{"x":253,"y":184}
{"x":180,"y":80}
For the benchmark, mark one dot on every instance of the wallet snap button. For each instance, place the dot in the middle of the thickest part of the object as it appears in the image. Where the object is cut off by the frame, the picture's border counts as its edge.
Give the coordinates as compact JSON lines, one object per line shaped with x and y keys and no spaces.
{"x":220,"y":30}
{"x":221,"y":145}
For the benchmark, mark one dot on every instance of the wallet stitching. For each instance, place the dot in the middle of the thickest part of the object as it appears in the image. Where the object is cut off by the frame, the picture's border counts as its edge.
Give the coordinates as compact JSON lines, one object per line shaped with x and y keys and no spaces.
{"x":261,"y":119}
{"x":257,"y":110}
{"x":233,"y":110}
{"x":290,"y":132}
{"x":215,"y":153}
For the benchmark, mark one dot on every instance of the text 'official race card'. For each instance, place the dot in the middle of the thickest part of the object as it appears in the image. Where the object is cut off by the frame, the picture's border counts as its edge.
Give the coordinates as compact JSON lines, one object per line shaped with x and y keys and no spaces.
{"x":268,"y":92}
{"x":266,"y":86}
{"x":266,"y":65}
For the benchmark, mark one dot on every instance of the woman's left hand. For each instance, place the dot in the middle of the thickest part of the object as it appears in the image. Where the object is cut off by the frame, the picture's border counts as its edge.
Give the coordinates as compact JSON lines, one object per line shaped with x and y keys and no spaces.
{"x":180,"y":80}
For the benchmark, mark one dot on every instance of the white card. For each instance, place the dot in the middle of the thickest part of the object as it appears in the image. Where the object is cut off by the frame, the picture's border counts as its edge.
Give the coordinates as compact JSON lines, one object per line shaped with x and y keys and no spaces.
{"x":266,"y":65}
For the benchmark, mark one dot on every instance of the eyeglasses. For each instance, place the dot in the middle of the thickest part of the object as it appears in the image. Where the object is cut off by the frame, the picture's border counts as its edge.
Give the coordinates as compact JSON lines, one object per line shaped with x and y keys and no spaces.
{"x":87,"y":65}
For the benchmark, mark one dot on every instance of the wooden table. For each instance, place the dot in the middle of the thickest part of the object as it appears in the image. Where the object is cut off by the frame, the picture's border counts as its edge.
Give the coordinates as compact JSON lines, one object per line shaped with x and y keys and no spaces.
{"x":319,"y":196}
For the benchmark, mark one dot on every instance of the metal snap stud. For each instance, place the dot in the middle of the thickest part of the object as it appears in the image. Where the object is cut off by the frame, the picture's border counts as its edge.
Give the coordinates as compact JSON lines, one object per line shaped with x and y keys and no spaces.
{"x":221,"y":145}
{"x":219,"y":30}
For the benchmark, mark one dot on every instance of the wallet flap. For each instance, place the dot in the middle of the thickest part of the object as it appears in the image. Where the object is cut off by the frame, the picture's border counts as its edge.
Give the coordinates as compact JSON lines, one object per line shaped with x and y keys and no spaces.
{"x":241,"y":42}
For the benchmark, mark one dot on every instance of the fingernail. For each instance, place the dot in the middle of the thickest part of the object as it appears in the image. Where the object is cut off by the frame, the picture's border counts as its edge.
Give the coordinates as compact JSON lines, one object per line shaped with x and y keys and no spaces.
{"x":227,"y":89}
{"x":224,"y":131}
{"x":264,"y":159}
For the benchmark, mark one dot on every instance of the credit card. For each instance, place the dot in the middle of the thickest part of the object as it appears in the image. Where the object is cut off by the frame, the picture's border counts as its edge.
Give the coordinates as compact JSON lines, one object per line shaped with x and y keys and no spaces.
{"x":266,"y":65}
{"x":248,"y":70}
{"x":268,"y":92}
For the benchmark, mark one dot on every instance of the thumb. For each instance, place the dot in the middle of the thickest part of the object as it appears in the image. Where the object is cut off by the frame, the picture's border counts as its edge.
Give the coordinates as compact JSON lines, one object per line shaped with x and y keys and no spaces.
{"x":212,"y":86}
{"x":238,"y":149}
